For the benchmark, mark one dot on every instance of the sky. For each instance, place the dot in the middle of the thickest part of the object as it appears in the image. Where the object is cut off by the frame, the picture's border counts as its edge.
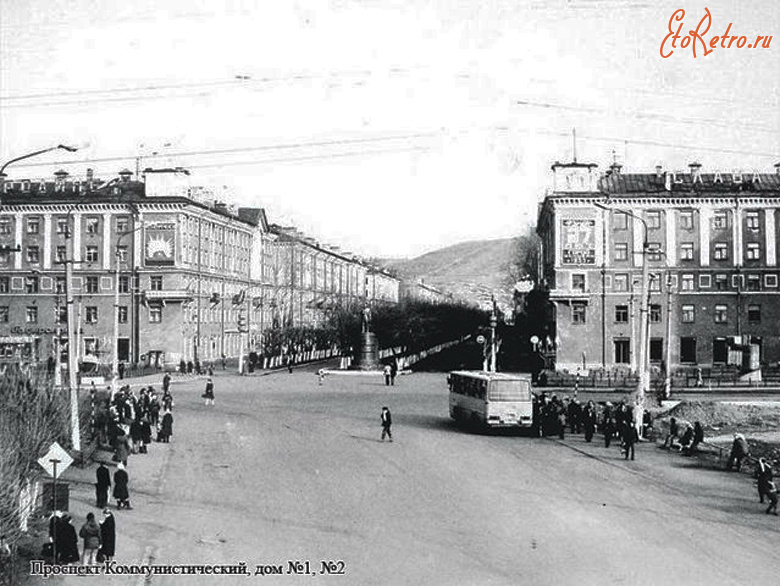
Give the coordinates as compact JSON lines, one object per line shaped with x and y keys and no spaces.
{"x":387,"y":127}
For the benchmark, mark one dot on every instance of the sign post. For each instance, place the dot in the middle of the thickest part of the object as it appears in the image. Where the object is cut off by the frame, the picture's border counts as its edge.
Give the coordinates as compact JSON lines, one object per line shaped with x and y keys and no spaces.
{"x":56,"y":455}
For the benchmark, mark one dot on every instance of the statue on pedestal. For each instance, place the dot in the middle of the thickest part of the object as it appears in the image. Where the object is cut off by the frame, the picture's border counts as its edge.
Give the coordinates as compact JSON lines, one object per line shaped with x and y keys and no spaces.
{"x":366,"y":320}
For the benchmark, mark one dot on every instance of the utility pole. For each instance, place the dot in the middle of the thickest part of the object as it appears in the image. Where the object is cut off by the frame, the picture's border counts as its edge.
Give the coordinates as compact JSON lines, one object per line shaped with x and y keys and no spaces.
{"x":493,"y":323}
{"x":668,"y":360}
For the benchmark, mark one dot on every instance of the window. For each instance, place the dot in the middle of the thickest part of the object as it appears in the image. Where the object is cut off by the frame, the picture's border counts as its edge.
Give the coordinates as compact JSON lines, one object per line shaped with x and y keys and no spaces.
{"x":59,"y":285}
{"x":686,"y":220}
{"x":5,"y":225}
{"x":688,"y":315}
{"x":686,"y":251}
{"x":622,"y":351}
{"x":5,"y":257}
{"x":656,"y":349}
{"x":122,"y":314}
{"x":770,"y":280}
{"x":33,"y":255}
{"x":91,"y":285}
{"x":705,"y":281}
{"x":688,"y":350}
{"x":4,"y":314}
{"x":33,"y":226}
{"x":655,"y":314}
{"x":155,"y":314}
{"x":720,"y":220}
{"x":621,"y":314}
{"x":752,"y":221}
{"x":122,"y":224}
{"x":61,"y":254}
{"x":620,"y":221}
{"x":653,"y":220}
{"x":93,"y":224}
{"x":31,"y":315}
{"x":621,"y":251}
{"x":92,"y":254}
{"x":156,"y":283}
{"x":63,"y":315}
{"x":5,"y":284}
{"x":754,"y":283}
{"x":754,"y":314}
{"x":721,"y":314}
{"x":577,"y":313}
{"x":62,"y":225}
{"x":721,"y":251}
{"x":737,"y":281}
{"x":124,"y":284}
{"x":31,"y":284}
{"x":121,"y":254}
{"x":577,"y":282}
{"x":654,"y":251}
{"x":91,"y":314}
{"x":721,"y":282}
{"x":655,"y":281}
{"x":753,"y":251}
{"x":686,"y":283}
{"x":620,"y":282}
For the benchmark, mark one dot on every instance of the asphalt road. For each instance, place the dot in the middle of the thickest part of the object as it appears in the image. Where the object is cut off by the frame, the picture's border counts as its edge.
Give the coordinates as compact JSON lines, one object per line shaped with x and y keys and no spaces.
{"x":282,"y":469}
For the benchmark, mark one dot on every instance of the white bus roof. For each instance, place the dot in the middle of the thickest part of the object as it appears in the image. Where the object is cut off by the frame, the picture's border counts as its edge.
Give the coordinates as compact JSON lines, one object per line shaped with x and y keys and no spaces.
{"x":483,"y":375}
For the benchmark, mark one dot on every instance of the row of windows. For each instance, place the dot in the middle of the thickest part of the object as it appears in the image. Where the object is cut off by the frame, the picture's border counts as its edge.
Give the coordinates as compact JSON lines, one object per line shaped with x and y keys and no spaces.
{"x":721,"y":220}
{"x":90,"y":314}
{"x":622,"y":282}
{"x":92,"y":224}
{"x":91,"y":284}
{"x":687,"y":314}
{"x":720,"y":251}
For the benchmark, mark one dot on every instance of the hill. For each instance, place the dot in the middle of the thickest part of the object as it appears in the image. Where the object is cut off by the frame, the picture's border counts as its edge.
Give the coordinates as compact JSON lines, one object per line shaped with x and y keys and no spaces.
{"x":471,"y":270}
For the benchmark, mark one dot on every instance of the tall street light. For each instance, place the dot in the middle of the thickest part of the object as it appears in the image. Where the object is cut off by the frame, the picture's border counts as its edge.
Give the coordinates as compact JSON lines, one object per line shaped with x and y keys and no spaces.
{"x":644,"y":321}
{"x":70,"y":149}
{"x":119,"y":260}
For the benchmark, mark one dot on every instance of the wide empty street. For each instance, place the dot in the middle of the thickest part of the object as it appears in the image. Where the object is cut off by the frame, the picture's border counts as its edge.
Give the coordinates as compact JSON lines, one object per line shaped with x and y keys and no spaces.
{"x":282,"y":469}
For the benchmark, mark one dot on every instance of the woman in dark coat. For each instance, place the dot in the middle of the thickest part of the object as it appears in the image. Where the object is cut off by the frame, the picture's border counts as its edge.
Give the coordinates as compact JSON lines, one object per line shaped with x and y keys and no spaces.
{"x":107,"y":536}
{"x":146,"y":435}
{"x":166,"y":427}
{"x":121,"y":493}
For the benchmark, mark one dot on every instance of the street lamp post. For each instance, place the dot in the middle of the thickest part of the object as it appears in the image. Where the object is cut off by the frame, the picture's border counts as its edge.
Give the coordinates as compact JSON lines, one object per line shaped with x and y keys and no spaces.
{"x":493,"y":323}
{"x":643,"y":382}
{"x":115,"y":358}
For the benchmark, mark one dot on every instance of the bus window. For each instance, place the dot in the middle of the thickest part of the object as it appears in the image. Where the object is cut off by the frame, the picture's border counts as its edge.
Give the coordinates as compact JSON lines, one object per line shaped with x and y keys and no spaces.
{"x":509,"y":390}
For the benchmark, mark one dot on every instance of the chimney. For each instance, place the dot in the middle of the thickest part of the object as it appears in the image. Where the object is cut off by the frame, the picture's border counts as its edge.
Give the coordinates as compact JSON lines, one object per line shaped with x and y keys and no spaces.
{"x":695,"y":171}
{"x":90,"y":175}
{"x":615,"y":168}
{"x":59,"y":180}
{"x":659,"y":171}
{"x":124,"y":175}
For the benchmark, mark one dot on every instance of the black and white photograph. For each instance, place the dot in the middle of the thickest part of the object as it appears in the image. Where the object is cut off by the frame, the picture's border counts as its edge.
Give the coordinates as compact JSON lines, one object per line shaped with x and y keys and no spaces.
{"x":386,"y":292}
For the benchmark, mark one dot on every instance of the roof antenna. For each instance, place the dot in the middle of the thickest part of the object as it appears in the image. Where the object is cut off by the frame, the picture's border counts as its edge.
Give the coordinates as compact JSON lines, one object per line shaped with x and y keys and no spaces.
{"x":574,"y":142}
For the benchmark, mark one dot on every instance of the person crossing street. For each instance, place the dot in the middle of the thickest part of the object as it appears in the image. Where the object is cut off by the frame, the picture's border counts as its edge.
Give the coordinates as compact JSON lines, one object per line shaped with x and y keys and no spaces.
{"x":387,"y":421}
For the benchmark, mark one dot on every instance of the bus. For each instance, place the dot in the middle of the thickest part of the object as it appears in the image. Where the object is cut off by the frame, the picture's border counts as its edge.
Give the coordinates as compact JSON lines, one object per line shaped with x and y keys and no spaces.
{"x":491,"y":399}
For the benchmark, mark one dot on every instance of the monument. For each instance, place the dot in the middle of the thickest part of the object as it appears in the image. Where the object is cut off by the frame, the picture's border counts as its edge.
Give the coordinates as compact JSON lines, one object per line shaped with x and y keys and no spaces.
{"x":367,"y":356}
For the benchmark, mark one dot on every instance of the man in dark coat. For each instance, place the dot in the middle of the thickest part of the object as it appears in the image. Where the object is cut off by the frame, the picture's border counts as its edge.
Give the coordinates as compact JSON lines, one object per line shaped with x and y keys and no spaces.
{"x":589,"y":420}
{"x":739,"y":451}
{"x":209,"y":394}
{"x":608,"y":424}
{"x":628,"y":437}
{"x":67,"y":541}
{"x":387,"y":420}
{"x":765,"y":476}
{"x":166,"y":427}
{"x":107,"y":536}
{"x":121,"y":493}
{"x":166,"y":382}
{"x":102,"y":485}
{"x":393,"y":371}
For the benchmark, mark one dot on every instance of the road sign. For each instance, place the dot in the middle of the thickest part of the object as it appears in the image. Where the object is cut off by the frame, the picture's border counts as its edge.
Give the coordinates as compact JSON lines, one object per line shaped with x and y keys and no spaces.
{"x":56,"y":455}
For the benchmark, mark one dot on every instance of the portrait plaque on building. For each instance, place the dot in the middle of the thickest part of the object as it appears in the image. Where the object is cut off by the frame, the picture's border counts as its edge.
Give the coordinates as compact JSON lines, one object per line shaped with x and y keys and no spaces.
{"x":578,"y":244}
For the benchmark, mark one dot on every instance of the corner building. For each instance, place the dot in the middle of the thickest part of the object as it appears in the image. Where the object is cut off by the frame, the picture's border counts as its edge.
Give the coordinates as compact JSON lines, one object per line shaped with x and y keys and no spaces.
{"x":711,"y":254}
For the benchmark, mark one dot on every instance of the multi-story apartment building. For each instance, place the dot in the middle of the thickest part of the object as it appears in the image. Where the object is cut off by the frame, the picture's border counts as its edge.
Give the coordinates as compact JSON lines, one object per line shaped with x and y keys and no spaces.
{"x":180,"y":269}
{"x":710,"y":241}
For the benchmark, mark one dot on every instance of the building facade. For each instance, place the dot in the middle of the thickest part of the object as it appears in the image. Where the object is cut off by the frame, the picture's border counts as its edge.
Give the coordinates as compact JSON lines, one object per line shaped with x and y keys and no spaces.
{"x":709,"y":242}
{"x":186,"y":276}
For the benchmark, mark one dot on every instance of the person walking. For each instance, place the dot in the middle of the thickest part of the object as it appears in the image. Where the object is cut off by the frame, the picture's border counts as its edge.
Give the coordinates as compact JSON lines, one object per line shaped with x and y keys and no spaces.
{"x":589,"y":420}
{"x":628,"y":437}
{"x":122,"y":451}
{"x":765,"y":477}
{"x":166,"y":427}
{"x":387,"y":420}
{"x":90,"y":533}
{"x":107,"y":536}
{"x":102,"y":485}
{"x":121,"y":493}
{"x":209,"y":393}
{"x":387,"y":371}
{"x":393,"y":371}
{"x":739,"y":451}
{"x":166,"y":382}
{"x":146,"y":435}
{"x":608,"y":424}
{"x":67,"y":541}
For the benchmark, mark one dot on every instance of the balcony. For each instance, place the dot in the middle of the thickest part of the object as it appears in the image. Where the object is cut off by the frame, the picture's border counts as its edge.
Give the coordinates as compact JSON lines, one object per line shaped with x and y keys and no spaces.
{"x":167,"y":296}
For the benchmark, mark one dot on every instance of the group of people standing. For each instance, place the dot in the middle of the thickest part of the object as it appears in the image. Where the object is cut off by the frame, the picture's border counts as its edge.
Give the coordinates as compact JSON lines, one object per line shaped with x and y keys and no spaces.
{"x":99,"y":539}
